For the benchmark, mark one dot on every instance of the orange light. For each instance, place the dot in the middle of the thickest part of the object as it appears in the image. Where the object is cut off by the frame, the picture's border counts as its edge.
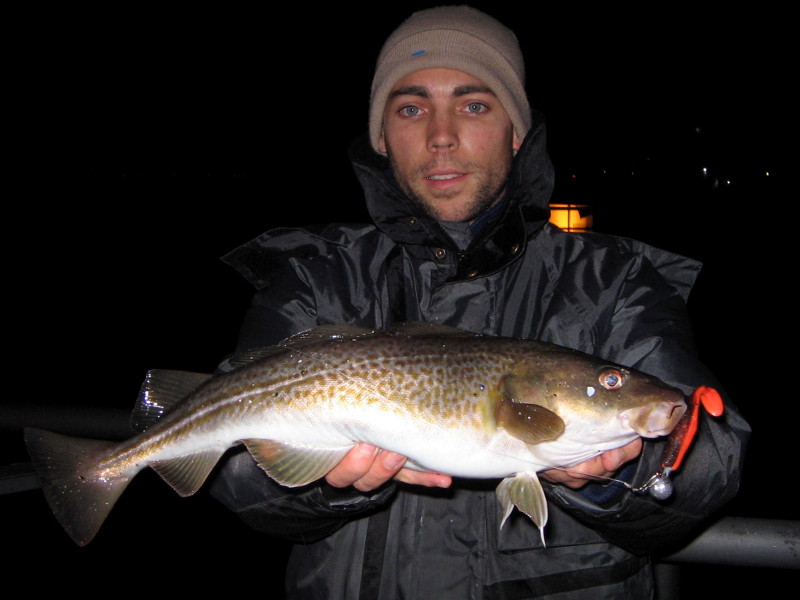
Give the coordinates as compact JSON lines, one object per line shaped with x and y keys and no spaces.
{"x":571,"y":217}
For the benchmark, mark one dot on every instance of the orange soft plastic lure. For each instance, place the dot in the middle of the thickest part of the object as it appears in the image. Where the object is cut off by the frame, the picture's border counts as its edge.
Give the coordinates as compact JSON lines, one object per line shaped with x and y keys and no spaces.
{"x":681,"y":437}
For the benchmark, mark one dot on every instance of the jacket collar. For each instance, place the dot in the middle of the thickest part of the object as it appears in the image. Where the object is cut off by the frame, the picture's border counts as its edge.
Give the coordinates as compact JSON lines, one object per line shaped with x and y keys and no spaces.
{"x":503,"y":232}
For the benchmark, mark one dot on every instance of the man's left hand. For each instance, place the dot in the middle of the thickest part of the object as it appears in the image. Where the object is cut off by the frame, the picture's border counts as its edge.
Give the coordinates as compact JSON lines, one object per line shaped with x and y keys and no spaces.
{"x":602,"y":466}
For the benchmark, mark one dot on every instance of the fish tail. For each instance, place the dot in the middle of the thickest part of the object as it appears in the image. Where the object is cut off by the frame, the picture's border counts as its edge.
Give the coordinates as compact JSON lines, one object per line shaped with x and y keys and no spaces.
{"x":80,"y":499}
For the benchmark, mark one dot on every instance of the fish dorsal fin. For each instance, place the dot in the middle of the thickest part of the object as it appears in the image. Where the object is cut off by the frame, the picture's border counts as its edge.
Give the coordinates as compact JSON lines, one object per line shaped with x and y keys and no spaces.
{"x":298,"y":341}
{"x":293,"y":466}
{"x":331,"y":332}
{"x":525,"y":492}
{"x":334,"y":332}
{"x":323,"y":333}
{"x":242,"y":359}
{"x":161,"y":390}
{"x":415,"y":328}
{"x":187,"y":474}
{"x":531,"y":423}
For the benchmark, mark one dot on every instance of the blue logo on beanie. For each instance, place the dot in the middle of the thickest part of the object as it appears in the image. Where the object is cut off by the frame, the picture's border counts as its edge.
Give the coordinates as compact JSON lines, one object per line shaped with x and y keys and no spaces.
{"x":418,"y":52}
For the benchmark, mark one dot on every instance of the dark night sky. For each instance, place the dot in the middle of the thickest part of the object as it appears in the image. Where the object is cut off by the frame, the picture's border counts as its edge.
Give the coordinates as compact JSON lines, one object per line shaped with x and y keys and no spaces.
{"x":146,"y":144}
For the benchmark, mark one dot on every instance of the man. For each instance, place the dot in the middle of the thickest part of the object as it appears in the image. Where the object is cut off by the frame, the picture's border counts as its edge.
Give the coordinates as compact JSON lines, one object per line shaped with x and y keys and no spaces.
{"x":457,"y":181}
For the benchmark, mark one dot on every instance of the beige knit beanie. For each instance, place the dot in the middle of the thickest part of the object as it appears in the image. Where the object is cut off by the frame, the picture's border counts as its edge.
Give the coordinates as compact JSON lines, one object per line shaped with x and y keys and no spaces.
{"x":453,"y":37}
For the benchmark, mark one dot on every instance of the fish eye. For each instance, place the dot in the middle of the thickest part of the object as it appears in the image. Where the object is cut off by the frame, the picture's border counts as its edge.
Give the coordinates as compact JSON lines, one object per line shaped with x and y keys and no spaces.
{"x":611,"y":378}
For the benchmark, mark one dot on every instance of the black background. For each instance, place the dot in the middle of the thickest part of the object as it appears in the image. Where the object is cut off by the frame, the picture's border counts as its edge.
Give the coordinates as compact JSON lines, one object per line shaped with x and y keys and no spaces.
{"x":143,"y":144}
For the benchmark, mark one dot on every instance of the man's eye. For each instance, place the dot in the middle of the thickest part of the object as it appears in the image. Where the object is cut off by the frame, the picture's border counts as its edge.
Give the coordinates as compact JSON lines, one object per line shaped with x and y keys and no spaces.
{"x":476,"y":107}
{"x":409,"y":111}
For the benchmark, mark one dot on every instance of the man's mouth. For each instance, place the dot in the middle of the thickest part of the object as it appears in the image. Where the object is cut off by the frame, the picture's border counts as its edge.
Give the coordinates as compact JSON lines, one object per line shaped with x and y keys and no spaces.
{"x":443,"y":177}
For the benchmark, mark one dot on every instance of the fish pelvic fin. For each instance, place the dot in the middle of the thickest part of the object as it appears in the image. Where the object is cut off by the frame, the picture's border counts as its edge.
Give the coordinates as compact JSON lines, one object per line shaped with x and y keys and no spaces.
{"x":187,"y":474}
{"x":79,"y":498}
{"x":294,"y":466}
{"x":526,"y":493}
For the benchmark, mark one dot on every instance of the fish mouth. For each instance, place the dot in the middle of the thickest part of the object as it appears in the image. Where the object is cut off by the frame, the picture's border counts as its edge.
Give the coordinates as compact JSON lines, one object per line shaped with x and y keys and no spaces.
{"x":654,"y":420}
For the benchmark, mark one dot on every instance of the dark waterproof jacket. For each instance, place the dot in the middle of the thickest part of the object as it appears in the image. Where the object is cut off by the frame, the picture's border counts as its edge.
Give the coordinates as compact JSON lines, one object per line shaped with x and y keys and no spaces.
{"x":522,"y":277}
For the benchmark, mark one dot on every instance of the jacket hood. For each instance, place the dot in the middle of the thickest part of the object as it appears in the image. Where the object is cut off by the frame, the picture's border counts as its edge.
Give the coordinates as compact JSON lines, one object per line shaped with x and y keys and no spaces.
{"x":504,"y":230}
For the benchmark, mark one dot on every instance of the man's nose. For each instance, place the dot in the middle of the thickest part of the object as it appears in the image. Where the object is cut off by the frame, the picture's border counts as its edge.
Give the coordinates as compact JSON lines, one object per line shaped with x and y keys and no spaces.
{"x":442,"y":133}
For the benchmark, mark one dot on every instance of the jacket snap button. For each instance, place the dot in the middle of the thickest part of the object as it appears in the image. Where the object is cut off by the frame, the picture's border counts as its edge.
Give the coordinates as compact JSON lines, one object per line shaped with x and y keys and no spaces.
{"x":440,"y":253}
{"x":515,"y":248}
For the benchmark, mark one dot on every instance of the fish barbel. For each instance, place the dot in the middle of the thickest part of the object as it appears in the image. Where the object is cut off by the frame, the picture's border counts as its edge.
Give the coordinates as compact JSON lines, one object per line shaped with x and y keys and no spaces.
{"x":453,"y":402}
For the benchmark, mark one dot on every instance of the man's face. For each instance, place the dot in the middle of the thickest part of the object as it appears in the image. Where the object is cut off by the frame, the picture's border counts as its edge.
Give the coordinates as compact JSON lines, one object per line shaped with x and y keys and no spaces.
{"x":449,"y":141}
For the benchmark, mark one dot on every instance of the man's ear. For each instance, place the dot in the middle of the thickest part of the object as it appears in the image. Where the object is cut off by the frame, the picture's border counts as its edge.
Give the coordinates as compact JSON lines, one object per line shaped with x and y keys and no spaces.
{"x":382,"y":143}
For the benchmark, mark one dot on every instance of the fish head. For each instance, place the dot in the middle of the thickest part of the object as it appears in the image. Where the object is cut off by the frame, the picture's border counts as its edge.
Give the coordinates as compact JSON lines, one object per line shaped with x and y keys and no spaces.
{"x":597,"y":398}
{"x":654,"y":408}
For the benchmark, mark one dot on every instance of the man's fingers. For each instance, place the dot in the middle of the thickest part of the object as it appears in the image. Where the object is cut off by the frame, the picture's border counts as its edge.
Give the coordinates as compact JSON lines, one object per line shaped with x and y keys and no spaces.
{"x":614,"y":459}
{"x":605,"y":465}
{"x":353,"y":466}
{"x":366,"y":468}
{"x":423,"y":478}
{"x":384,"y":466}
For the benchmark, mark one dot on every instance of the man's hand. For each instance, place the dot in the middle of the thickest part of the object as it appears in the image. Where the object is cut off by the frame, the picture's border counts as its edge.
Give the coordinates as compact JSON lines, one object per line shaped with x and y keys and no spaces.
{"x":604,"y":465}
{"x":366,"y":467}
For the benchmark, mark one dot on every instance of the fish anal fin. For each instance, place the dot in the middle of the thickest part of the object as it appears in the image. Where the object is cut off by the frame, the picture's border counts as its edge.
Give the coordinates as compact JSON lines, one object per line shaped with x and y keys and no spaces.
{"x":187,"y":474}
{"x":525,"y":492}
{"x":293,"y":466}
{"x":531,"y":423}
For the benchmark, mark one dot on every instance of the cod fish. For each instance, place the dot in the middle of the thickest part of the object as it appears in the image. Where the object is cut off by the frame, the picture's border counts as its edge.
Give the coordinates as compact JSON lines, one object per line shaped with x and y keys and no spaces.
{"x":453,"y":402}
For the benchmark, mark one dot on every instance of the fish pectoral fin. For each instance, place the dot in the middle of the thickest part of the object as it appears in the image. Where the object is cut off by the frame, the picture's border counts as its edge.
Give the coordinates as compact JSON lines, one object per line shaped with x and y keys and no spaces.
{"x":291,"y":465}
{"x":526,"y":493}
{"x":531,"y":423}
{"x":187,"y":474}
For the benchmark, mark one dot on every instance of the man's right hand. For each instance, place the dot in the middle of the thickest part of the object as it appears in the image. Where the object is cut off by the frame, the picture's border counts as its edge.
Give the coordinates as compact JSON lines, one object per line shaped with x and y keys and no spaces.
{"x":367,"y":467}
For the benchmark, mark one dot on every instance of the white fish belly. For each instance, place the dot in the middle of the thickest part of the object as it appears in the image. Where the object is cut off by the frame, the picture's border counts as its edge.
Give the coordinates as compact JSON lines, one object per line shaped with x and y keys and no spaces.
{"x":461,"y":453}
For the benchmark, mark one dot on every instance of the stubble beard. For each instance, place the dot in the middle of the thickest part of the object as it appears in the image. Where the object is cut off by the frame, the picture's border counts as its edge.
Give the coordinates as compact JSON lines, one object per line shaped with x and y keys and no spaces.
{"x":491,"y":188}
